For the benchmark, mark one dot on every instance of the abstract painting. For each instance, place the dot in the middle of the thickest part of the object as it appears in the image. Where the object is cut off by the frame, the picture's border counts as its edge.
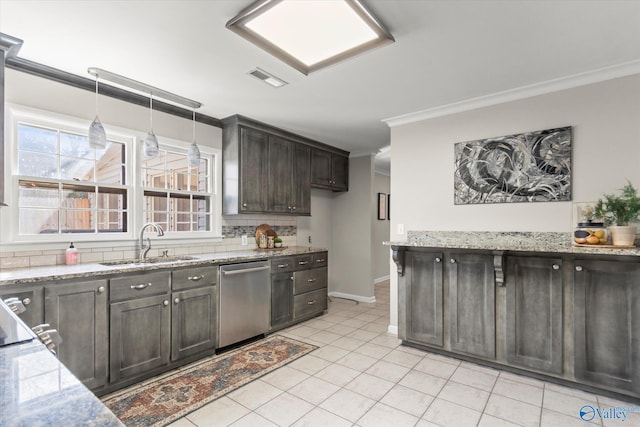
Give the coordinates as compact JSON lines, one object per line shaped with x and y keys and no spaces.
{"x":527,"y":167}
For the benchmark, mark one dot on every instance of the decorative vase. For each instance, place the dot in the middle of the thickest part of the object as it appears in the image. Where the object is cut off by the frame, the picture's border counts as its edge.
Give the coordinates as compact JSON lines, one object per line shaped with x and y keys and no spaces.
{"x":623,"y":235}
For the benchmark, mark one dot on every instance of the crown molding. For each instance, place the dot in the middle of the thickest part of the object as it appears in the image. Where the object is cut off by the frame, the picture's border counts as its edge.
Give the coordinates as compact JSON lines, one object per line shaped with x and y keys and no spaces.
{"x":542,"y":88}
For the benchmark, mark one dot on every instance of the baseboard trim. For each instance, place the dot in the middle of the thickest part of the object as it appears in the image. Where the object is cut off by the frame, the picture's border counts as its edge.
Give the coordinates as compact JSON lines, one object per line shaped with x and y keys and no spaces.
{"x":392,"y":330}
{"x":381,"y":279}
{"x":358,"y":298}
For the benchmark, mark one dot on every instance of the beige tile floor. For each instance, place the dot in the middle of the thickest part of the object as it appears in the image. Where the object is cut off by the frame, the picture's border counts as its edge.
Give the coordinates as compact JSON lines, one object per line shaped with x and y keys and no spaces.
{"x":361,"y":376}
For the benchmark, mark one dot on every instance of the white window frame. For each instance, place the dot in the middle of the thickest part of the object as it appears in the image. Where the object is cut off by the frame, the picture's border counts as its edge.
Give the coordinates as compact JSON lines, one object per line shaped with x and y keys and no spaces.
{"x":133,"y":140}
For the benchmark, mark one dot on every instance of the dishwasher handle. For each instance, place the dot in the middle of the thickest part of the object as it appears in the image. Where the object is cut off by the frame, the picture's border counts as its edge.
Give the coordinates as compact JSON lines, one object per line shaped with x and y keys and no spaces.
{"x":245,"y":270}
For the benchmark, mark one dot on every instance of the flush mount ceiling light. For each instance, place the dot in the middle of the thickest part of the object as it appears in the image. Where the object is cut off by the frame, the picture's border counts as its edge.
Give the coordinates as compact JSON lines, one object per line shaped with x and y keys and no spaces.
{"x":266,"y":77}
{"x":310,"y":34}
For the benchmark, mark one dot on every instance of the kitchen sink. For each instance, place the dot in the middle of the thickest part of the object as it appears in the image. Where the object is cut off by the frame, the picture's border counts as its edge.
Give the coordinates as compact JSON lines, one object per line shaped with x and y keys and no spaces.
{"x":156,"y":260}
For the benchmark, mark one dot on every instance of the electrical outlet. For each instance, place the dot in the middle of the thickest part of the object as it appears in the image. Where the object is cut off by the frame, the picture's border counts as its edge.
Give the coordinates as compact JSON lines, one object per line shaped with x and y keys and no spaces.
{"x":244,"y":240}
{"x":400,"y":228}
{"x":309,"y":238}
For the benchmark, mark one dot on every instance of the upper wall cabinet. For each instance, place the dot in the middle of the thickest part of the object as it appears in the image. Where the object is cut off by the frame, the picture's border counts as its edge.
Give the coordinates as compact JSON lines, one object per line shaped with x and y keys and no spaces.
{"x":329,"y":170}
{"x":268,"y":170}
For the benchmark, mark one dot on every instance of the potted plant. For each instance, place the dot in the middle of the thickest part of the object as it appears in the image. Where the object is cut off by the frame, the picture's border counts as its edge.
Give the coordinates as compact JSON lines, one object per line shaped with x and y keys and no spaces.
{"x":618,"y":211}
{"x":277,"y":242}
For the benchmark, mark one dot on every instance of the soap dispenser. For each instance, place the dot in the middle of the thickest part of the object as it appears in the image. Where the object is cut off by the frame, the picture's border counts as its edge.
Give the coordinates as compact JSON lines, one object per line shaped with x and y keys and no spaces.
{"x":71,"y":255}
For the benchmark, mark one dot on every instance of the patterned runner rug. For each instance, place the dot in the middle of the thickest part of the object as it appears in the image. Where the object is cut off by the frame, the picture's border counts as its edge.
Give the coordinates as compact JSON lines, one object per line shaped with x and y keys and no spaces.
{"x":164,"y":399}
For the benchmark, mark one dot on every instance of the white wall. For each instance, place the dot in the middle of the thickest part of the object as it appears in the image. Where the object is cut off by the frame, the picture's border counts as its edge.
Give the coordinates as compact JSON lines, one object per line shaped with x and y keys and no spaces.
{"x":381,"y":253}
{"x":606,"y":151}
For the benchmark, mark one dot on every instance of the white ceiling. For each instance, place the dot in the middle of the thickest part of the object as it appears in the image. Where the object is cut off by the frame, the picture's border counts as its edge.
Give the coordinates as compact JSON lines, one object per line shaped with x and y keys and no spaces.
{"x":445,"y":52}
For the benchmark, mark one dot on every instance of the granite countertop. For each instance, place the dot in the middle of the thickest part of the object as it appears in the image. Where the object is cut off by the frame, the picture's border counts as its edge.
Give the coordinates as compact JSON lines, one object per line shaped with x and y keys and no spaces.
{"x":37,"y":390}
{"x":96,"y":270}
{"x":552,"y":242}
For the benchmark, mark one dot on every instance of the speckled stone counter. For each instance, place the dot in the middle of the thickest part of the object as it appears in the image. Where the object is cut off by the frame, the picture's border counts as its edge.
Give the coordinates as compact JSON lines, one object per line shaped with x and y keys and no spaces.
{"x":61,"y":272}
{"x":37,"y":390}
{"x":550,"y":242}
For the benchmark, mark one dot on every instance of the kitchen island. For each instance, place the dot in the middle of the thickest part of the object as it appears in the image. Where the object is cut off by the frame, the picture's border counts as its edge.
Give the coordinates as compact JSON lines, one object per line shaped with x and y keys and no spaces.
{"x":531,"y":303}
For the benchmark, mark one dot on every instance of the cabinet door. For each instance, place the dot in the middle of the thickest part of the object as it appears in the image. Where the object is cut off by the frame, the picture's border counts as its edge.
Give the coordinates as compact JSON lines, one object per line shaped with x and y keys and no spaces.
{"x":193,"y":322}
{"x":301,"y":180}
{"x":140,"y":331}
{"x":31,"y":299}
{"x":79,"y":312}
{"x":607,"y":323}
{"x":340,"y":172}
{"x":279,"y":173}
{"x":472,"y":304}
{"x":281,"y":300}
{"x":534,"y":313}
{"x":253,"y":170}
{"x":424,"y":297}
{"x":321,"y":168}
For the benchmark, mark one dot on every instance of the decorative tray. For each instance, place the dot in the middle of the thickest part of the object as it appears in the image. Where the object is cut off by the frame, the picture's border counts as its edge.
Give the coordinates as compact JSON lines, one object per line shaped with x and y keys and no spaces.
{"x":270,"y":249}
{"x":604,"y":246}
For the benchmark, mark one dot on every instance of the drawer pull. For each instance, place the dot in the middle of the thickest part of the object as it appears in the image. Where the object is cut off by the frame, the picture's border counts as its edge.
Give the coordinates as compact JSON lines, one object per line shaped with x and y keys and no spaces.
{"x":453,"y":261}
{"x":438,"y":259}
{"x":578,"y":268}
{"x":165,"y":303}
{"x":26,"y":301}
{"x":311,"y":302}
{"x":320,"y":260}
{"x":141,"y":286}
{"x":177,"y":300}
{"x":555,"y":267}
{"x":303,"y":262}
{"x":196,"y":278}
{"x":311,"y":280}
{"x":283,"y":265}
{"x":101,"y":289}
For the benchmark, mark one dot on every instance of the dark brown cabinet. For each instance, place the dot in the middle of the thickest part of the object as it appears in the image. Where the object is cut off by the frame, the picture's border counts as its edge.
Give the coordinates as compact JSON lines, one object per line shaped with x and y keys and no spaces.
{"x":289,"y":184}
{"x":607,"y":323}
{"x":329,"y":170}
{"x":298,"y":288}
{"x":534,"y":313}
{"x":79,"y":312}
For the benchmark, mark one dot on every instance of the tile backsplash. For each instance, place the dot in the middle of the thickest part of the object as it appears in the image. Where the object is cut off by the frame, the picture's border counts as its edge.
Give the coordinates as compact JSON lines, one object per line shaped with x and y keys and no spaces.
{"x":233,"y":228}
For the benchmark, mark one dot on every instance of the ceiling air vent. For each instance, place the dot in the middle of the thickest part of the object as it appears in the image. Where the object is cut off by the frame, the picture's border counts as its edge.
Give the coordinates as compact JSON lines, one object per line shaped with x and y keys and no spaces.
{"x":268,"y":78}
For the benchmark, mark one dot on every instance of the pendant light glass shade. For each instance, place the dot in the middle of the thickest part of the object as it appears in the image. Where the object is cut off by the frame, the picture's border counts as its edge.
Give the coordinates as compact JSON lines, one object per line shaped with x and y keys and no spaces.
{"x":97,"y":135}
{"x":194,"y":152}
{"x":151,"y":146}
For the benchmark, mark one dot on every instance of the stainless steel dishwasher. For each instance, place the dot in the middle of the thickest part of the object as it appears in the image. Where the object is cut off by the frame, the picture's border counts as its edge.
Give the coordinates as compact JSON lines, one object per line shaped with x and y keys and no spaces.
{"x":245,"y":301}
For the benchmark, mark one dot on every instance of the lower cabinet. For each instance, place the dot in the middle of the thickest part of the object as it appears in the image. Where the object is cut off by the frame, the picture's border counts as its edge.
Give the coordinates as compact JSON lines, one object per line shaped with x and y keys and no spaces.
{"x":298,"y":288}
{"x":79,"y":312}
{"x":140,"y":332}
{"x":607,"y":323}
{"x":424,"y":299}
{"x":472,"y":302}
{"x":193,"y":321}
{"x":534,"y":313}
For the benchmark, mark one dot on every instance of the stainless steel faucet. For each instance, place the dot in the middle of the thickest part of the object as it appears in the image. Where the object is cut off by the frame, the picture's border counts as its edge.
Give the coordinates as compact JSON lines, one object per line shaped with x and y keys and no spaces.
{"x":144,"y":248}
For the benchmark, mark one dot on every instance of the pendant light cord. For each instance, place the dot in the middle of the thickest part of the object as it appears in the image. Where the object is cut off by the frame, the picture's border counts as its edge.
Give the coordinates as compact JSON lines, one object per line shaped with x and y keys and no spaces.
{"x":194,"y":125}
{"x":151,"y":110}
{"x":96,"y":95}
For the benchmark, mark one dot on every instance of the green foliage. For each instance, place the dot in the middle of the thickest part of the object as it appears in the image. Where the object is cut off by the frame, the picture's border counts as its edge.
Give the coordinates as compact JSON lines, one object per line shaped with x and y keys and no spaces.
{"x":277,"y":240}
{"x":619,"y":209}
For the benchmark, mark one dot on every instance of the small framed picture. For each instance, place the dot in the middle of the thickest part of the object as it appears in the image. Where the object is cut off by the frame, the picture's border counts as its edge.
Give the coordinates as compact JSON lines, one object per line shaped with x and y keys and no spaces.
{"x":382,"y":206}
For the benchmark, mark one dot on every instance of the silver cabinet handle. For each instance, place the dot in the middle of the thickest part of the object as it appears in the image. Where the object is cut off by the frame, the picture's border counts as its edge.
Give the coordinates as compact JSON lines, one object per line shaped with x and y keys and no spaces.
{"x":320,"y":260}
{"x":101,"y":289}
{"x":289,"y":207}
{"x":26,"y":301}
{"x":303,"y":262}
{"x":311,"y":280}
{"x":453,"y":261}
{"x":283,"y":265}
{"x":245,"y":270}
{"x":438,"y":259}
{"x":555,"y":267}
{"x":165,"y":303}
{"x":244,"y":205}
{"x":311,"y":302}
{"x":196,"y":278}
{"x":177,"y":300}
{"x":141,"y":286}
{"x":578,"y":268}
{"x":293,"y":207}
{"x":292,"y":278}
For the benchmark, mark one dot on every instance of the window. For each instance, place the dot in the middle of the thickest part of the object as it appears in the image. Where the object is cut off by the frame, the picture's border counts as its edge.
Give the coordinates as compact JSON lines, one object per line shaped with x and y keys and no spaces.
{"x":176,"y":195}
{"x":65,"y":186}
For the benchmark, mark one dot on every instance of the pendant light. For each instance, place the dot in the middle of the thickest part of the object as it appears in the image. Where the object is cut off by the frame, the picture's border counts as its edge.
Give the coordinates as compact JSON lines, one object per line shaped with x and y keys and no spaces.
{"x":194,"y":152}
{"x":97,"y":135}
{"x":151,"y":146}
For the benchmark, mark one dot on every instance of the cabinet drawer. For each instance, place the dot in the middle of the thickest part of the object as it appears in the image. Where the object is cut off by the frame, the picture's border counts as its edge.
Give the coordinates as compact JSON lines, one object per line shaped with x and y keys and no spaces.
{"x":283,"y":265}
{"x":309,"y":303}
{"x":197,"y":277}
{"x":320,"y":259}
{"x":138,"y":286}
{"x":304,"y":261}
{"x":309,"y":280}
